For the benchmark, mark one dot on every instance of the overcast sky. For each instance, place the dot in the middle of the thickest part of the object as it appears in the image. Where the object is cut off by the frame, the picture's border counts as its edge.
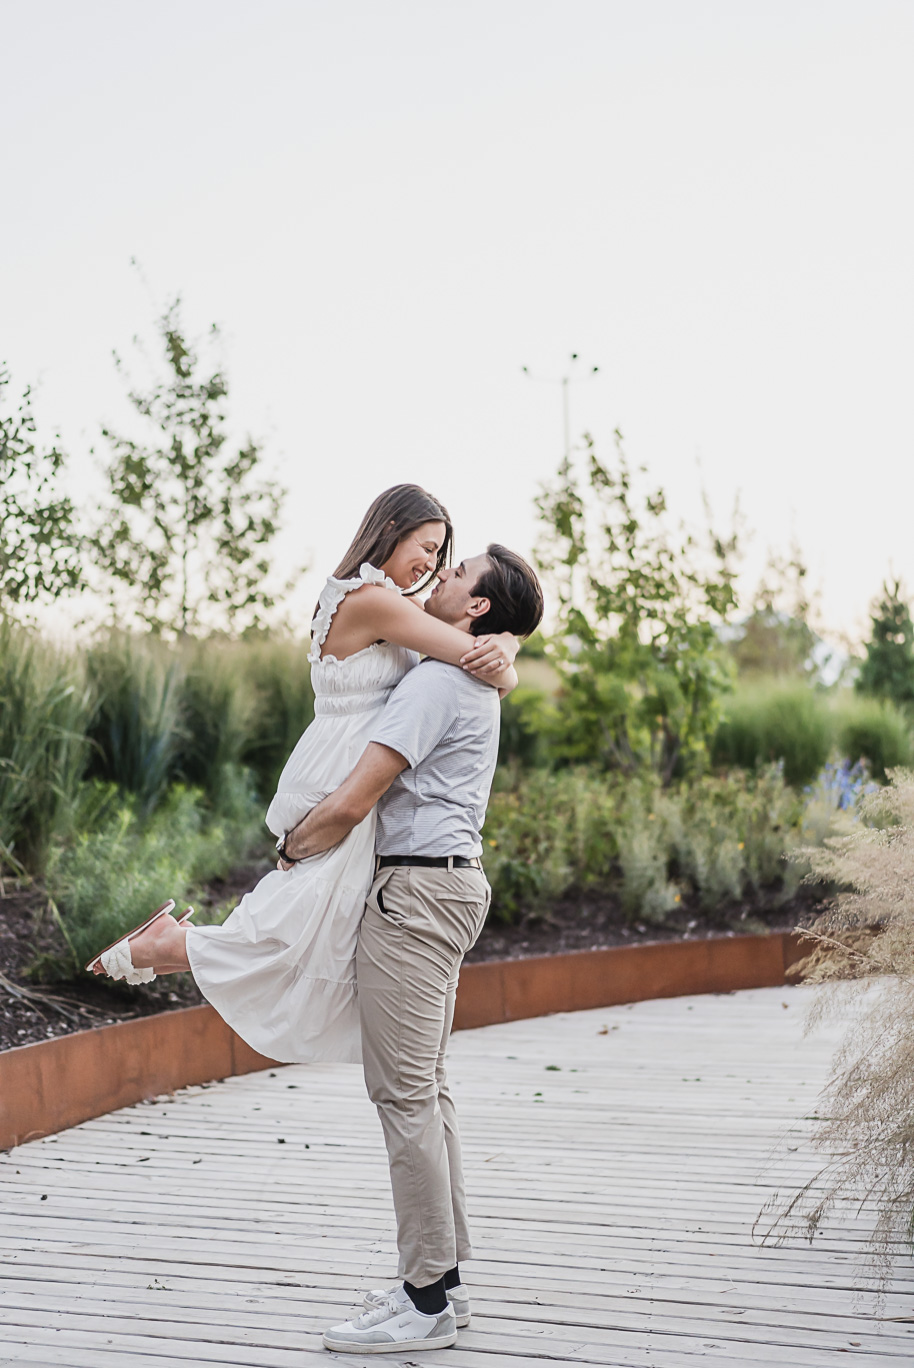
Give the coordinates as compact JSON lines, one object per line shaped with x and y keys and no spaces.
{"x":393,"y":205}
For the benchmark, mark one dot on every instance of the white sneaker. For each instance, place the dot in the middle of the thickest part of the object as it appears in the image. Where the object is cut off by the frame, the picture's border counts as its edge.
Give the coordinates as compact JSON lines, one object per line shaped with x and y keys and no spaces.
{"x":391,"y":1328}
{"x":458,"y":1296}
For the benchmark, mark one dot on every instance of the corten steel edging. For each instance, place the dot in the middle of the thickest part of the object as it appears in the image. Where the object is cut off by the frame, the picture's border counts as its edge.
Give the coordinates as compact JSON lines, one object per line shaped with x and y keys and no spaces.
{"x":509,"y":990}
{"x":55,"y":1084}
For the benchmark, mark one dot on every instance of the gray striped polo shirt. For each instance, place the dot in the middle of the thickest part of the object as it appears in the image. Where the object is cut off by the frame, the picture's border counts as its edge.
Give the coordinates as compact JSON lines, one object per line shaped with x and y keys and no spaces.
{"x":445,"y":725}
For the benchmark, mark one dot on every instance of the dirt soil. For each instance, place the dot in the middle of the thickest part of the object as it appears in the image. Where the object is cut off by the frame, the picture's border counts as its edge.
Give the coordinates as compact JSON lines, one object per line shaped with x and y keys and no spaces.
{"x":31,"y":1011}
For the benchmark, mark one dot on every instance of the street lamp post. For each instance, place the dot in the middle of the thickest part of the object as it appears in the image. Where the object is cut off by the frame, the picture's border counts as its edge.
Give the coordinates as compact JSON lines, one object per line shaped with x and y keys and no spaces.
{"x":571,"y":376}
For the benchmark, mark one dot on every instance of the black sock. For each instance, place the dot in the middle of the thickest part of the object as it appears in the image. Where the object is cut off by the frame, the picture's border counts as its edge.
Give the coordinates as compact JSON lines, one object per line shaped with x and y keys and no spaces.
{"x":452,"y":1278}
{"x":431,"y":1300}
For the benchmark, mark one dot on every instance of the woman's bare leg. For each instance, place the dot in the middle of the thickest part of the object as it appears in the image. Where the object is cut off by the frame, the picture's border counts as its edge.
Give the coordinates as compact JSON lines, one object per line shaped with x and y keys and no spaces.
{"x":162,"y":947}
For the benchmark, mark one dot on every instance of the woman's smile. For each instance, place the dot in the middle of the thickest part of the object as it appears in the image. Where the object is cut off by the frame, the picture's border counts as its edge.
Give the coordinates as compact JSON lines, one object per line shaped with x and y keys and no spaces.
{"x":416,"y":556}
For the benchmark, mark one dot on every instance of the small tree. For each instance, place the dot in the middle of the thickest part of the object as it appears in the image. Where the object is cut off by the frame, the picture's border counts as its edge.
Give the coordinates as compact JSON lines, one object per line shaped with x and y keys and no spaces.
{"x":185,"y":539}
{"x":888,"y":669}
{"x":639,"y":648}
{"x":776,"y":638}
{"x":39,"y":546}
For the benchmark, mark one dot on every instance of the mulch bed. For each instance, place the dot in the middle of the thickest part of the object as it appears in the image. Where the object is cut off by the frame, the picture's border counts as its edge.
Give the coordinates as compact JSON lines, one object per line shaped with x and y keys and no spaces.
{"x":31,"y":1011}
{"x":591,"y":920}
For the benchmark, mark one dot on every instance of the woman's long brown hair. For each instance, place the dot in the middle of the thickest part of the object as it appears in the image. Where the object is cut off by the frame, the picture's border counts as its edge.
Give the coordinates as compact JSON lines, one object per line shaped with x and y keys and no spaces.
{"x":392,"y":516}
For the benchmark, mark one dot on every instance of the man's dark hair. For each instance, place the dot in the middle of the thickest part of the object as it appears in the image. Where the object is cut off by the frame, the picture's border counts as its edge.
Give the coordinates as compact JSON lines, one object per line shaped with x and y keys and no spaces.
{"x":514,"y":592}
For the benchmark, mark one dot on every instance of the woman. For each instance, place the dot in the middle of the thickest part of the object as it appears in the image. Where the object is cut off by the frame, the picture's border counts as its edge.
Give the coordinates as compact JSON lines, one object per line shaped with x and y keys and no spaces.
{"x":281,"y":969}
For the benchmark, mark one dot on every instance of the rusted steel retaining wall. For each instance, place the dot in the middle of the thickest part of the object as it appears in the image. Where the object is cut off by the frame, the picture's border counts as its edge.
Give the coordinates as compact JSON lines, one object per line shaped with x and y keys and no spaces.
{"x":58,"y":1083}
{"x":508,"y":990}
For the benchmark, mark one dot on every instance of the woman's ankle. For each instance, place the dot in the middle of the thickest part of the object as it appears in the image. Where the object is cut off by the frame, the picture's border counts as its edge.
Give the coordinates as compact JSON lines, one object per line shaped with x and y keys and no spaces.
{"x":162,"y":944}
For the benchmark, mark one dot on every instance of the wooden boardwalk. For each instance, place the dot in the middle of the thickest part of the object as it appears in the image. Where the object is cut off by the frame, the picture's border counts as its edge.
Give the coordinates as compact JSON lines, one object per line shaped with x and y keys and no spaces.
{"x":615,"y":1160}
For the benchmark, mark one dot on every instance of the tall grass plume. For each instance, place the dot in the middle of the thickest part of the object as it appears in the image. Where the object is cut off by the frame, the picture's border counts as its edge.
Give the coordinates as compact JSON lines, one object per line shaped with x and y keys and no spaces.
{"x":865,"y":941}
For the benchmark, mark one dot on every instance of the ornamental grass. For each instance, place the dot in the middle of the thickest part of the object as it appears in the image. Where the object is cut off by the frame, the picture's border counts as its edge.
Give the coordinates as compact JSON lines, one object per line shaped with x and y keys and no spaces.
{"x":864,"y":958}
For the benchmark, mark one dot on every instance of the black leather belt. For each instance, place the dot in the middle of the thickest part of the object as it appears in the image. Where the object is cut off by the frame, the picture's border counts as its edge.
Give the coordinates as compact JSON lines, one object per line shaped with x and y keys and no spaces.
{"x":430,"y":861}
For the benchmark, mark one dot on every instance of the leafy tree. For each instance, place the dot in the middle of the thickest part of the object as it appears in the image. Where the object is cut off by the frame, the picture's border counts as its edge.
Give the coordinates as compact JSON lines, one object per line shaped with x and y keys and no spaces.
{"x":39,"y":546}
{"x":776,"y":638}
{"x":888,"y":669}
{"x":186,"y":537}
{"x":639,"y":649}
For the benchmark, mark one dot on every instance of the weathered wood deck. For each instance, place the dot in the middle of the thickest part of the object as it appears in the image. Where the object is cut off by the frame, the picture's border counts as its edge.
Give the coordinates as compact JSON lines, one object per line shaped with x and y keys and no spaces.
{"x":615,"y":1161}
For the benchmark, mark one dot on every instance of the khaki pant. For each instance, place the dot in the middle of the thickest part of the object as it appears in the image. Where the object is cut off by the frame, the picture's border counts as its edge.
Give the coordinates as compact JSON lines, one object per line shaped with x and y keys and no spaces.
{"x":418,"y":925}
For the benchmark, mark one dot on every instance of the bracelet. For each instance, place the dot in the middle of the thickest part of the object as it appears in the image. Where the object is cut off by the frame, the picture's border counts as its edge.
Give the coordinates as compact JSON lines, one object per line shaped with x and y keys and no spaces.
{"x":281,"y":850}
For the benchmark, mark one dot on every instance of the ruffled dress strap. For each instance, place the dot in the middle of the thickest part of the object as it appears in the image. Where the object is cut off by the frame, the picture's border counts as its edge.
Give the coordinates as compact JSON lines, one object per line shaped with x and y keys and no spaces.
{"x":332,"y":595}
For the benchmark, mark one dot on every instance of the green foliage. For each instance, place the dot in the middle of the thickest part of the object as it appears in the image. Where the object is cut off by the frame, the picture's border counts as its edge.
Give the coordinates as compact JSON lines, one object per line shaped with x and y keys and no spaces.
{"x":643,"y":669}
{"x":138,"y":715}
{"x":219,"y":709}
{"x":768,"y":723}
{"x":188,"y":710}
{"x":799,"y":727}
{"x":185,"y":538}
{"x":876,"y":732}
{"x":776,"y":639}
{"x":534,"y":647}
{"x":45,"y":710}
{"x":729,"y":835}
{"x":137,"y":727}
{"x":522,"y":737}
{"x":546,"y":833}
{"x":39,"y":545}
{"x":888,"y":670}
{"x":122,"y":865}
{"x":645,"y":886}
{"x":549,"y":835}
{"x":279,"y":676}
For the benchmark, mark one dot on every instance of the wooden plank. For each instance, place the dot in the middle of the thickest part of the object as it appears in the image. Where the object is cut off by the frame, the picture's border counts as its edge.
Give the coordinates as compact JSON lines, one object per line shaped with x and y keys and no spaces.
{"x":521,"y":1283}
{"x":53,"y":1084}
{"x":647,"y":1349}
{"x":613,"y":1198}
{"x":257,"y":1319}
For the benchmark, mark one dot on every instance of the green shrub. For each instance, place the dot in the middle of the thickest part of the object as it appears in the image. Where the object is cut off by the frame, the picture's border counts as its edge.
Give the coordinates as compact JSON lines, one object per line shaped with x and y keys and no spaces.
{"x":140,"y":715}
{"x":122,"y":865}
{"x":548,"y":835}
{"x":645,"y":886}
{"x":182,"y":713}
{"x":137,"y":727}
{"x":729,"y":835}
{"x":765,"y":724}
{"x":545,"y":833}
{"x":521,"y":738}
{"x":279,"y":676}
{"x":219,"y":707}
{"x":45,"y":708}
{"x":877,"y":732}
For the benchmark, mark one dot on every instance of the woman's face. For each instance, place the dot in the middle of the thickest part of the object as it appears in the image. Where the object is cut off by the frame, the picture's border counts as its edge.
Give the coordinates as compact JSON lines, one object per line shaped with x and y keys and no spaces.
{"x":416,"y":555}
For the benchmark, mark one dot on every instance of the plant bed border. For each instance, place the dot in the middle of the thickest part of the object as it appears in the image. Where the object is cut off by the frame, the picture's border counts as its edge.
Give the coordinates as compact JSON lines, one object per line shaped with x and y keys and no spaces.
{"x":51,"y":1085}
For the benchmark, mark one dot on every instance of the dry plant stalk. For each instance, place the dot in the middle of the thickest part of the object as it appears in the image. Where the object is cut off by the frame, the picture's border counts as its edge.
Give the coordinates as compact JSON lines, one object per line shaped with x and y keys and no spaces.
{"x":866,"y":933}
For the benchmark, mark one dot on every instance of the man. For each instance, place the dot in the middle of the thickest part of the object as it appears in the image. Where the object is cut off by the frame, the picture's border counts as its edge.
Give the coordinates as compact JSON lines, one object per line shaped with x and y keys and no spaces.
{"x":429,"y":768}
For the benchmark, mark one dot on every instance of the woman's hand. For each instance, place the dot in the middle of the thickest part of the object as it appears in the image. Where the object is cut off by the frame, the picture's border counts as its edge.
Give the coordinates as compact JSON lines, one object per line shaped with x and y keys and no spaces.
{"x":491,"y":654}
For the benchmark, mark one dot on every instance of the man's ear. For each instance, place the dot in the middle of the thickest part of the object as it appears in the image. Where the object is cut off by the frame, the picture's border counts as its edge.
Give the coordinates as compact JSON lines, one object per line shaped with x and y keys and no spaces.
{"x":478,"y":607}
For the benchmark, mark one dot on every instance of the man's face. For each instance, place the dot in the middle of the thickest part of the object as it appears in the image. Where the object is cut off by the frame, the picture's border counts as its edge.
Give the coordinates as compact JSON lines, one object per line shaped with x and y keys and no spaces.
{"x":453,"y":594}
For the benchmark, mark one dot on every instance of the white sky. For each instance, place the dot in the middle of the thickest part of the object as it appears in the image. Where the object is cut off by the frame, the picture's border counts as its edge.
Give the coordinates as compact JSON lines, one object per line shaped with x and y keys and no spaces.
{"x":391,"y":205}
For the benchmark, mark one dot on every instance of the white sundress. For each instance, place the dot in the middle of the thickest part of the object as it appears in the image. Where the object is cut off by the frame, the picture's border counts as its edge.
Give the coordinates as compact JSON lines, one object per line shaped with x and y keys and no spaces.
{"x":281,"y":968}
